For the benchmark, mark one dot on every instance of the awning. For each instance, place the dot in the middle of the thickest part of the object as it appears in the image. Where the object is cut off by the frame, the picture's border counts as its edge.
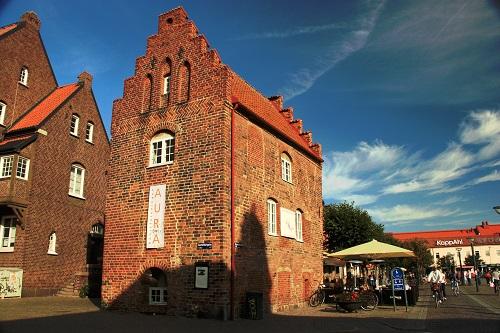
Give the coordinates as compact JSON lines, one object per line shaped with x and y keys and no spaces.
{"x":373,"y":250}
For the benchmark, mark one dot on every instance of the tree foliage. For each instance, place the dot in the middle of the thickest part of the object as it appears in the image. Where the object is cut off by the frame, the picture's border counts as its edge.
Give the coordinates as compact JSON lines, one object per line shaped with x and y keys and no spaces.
{"x":346,"y":225}
{"x":447,"y":262}
{"x":469,"y":260}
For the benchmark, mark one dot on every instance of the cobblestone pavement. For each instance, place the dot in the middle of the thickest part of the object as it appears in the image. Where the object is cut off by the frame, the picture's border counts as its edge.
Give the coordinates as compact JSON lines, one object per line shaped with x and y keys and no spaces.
{"x":470,"y":312}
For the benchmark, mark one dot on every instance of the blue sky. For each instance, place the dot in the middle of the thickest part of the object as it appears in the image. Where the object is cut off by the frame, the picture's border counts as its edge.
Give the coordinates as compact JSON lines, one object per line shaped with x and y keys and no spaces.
{"x":404,"y":96}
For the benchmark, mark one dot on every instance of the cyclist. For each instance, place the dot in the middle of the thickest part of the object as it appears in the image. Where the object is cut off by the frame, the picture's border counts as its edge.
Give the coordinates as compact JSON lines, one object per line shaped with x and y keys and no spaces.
{"x":434,"y":278}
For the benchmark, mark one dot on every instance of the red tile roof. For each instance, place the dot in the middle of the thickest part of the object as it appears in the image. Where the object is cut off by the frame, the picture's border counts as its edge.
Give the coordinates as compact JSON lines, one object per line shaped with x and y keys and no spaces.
{"x":7,"y":28}
{"x":41,"y":111}
{"x":267,"y":112}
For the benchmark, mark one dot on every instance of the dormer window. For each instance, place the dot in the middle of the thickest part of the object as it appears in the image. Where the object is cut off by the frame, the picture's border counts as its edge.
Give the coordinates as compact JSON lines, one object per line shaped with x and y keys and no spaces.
{"x":23,"y":76}
{"x":75,"y":120}
{"x":286,"y":168}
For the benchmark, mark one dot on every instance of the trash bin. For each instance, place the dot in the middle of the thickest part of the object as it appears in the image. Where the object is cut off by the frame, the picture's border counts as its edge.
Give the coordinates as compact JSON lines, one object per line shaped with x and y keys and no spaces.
{"x":254,"y":306}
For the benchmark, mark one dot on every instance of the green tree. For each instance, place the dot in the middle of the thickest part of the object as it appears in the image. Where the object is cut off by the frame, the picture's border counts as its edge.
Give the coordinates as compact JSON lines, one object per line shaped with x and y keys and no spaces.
{"x":447,"y":262}
{"x":469,"y":260}
{"x":346,"y":225}
{"x":423,"y":257}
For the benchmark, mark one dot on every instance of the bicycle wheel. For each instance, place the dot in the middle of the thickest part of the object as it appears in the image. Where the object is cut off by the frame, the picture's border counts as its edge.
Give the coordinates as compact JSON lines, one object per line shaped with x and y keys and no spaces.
{"x":369,"y":301}
{"x":436,"y":298}
{"x":317,"y":298}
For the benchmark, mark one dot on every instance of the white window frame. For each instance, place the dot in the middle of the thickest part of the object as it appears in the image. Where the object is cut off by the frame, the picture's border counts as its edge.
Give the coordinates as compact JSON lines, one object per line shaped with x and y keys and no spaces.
{"x":166,"y":85}
{"x":166,"y":149}
{"x":271,"y":218}
{"x":161,"y":293}
{"x":298,"y":226}
{"x":23,"y":161}
{"x":89,"y":132}
{"x":11,"y":234}
{"x":6,"y":164}
{"x":75,"y":122}
{"x":3,"y":111}
{"x":286,"y":168}
{"x":73,"y":181}
{"x":52,"y":244}
{"x":23,"y":76}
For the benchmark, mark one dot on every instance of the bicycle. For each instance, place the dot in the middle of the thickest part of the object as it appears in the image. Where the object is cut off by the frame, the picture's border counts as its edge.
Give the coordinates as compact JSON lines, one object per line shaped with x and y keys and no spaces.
{"x":318,"y":296}
{"x":369,"y":300}
{"x":455,"y":287}
{"x":436,"y":294}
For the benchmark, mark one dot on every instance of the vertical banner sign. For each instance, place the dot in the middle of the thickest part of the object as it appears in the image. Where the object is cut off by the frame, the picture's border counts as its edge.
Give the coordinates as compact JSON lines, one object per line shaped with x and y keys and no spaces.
{"x":156,"y":215}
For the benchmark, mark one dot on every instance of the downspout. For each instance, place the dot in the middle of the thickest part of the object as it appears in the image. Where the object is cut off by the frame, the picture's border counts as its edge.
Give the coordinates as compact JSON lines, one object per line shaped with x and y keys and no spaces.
{"x":233,"y":250}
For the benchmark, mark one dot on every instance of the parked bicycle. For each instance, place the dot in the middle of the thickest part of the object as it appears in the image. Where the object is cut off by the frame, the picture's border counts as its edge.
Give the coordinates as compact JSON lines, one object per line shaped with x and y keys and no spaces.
{"x":369,"y":299}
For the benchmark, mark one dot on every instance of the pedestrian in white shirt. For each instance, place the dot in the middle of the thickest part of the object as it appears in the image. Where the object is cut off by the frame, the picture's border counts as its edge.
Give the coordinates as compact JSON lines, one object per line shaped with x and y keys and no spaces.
{"x":442,"y":281}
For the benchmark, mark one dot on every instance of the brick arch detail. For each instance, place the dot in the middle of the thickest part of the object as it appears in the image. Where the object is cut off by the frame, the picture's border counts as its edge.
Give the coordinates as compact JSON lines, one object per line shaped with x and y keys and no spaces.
{"x":168,"y":126}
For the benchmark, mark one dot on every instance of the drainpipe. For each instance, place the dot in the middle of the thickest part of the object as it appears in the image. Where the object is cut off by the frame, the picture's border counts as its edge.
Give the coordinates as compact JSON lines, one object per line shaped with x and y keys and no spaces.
{"x":233,"y":250}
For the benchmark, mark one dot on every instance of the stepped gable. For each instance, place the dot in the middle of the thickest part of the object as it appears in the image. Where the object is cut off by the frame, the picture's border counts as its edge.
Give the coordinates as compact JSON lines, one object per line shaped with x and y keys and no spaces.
{"x":270,"y":112}
{"x":42,"y":110}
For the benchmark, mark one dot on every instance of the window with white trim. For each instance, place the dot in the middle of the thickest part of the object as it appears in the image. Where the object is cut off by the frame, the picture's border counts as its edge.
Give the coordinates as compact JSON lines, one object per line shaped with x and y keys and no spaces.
{"x":76,"y":181}
{"x":3,"y":110}
{"x":162,"y":149}
{"x":298,"y":225}
{"x":23,"y":167}
{"x":8,"y":233}
{"x":157,"y":295}
{"x":166,"y":86}
{"x":75,"y":121}
{"x":23,"y":76}
{"x":89,"y":132}
{"x":6,"y":166}
{"x":52,"y":244}
{"x":286,"y":168}
{"x":271,"y":217}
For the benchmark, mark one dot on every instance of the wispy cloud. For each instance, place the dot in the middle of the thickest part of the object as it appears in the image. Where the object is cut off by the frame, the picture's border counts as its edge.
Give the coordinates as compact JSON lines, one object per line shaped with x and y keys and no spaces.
{"x":404,"y":214}
{"x":293,"y":32}
{"x":303,"y":79}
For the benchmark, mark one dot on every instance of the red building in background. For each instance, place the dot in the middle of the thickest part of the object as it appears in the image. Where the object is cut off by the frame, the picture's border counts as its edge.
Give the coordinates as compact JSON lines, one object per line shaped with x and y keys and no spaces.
{"x":485,"y":238}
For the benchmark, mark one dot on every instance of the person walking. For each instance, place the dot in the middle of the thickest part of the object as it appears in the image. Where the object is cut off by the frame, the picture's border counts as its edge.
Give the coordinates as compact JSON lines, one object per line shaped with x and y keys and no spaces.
{"x":487,"y":276}
{"x":442,"y":282}
{"x":495,"y":277}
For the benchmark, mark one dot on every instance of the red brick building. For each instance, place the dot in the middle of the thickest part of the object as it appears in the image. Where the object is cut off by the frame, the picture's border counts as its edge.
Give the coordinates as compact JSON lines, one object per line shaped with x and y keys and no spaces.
{"x":214,"y":190}
{"x":53,"y":158}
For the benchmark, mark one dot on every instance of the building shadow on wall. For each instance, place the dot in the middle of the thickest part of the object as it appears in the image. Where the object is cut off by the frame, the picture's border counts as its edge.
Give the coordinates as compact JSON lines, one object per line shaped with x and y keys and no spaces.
{"x":202,"y":288}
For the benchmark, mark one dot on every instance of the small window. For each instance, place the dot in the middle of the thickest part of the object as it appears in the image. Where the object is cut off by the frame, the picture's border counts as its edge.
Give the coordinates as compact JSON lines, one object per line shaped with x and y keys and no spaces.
{"x":162,"y":149}
{"x":166,"y":87}
{"x":298,"y":225}
{"x":3,"y":110}
{"x":6,"y":166}
{"x":23,"y":166}
{"x":75,"y":120}
{"x":97,"y":229}
{"x":8,"y":233}
{"x":89,"y":133}
{"x":286,"y":168}
{"x":23,"y":77}
{"x":76,"y":181}
{"x":271,"y":217}
{"x":437,"y":255}
{"x":157,"y":295}
{"x":52,"y":244}
{"x":498,"y":252}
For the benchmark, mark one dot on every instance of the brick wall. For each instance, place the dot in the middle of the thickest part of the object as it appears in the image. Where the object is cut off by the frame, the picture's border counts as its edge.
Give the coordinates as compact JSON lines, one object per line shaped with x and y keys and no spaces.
{"x":20,"y":47}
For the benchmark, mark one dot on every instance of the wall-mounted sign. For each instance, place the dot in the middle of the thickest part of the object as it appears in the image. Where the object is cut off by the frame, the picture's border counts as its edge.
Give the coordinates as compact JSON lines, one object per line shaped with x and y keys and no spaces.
{"x":156,"y":215}
{"x":288,"y":228}
{"x":451,"y":242}
{"x":205,"y":246}
{"x":201,"y":276}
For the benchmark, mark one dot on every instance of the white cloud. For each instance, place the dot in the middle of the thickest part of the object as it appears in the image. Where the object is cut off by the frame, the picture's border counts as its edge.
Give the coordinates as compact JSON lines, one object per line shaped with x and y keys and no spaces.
{"x":492,"y":177}
{"x":293,"y":32}
{"x":481,"y":127}
{"x":401,"y":214}
{"x":303,"y":79}
{"x":361,"y":199}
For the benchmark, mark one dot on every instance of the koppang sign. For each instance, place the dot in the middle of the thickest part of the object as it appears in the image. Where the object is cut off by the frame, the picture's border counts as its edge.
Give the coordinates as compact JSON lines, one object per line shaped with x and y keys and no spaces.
{"x":156,"y":217}
{"x":450,"y":242}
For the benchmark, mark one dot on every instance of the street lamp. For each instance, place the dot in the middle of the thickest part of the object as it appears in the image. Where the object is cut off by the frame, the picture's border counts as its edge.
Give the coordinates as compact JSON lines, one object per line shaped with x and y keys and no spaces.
{"x":471,"y":240}
{"x":497,"y":209}
{"x":461,"y":269}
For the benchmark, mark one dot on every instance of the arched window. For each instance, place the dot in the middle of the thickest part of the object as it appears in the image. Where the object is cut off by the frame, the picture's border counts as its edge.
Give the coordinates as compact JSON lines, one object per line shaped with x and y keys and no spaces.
{"x":166,"y":83}
{"x":52,"y":243}
{"x":76,"y":181}
{"x":162,"y":149}
{"x":156,"y":282}
{"x":298,"y":225}
{"x":184,"y":82}
{"x":75,"y":121}
{"x":97,"y":229}
{"x":147,"y":93}
{"x":286,"y":168}
{"x":23,"y":76}
{"x":3,"y":111}
{"x":271,"y":217}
